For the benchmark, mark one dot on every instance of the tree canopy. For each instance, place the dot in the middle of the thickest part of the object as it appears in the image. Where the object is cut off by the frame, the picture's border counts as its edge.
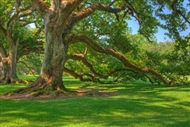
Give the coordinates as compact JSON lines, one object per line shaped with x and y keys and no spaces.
{"x":91,"y":40}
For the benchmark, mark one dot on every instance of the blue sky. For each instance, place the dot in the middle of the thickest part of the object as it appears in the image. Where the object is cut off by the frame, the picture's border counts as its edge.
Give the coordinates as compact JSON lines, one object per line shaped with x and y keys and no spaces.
{"x":160,"y":35}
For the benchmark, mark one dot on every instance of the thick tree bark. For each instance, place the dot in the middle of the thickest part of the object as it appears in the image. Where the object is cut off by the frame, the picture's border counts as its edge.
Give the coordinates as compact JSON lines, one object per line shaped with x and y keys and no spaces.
{"x":8,"y":64}
{"x":59,"y":20}
{"x":50,"y":78}
{"x":2,"y":70}
{"x":55,"y":19}
{"x":13,"y":61}
{"x":54,"y":59}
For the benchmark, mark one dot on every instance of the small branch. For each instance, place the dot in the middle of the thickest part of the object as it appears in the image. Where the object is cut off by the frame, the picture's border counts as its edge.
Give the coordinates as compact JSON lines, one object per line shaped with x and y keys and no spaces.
{"x":133,"y":11}
{"x":112,"y":2}
{"x":25,"y":8}
{"x":26,"y":14}
{"x":184,"y":17}
{"x":30,"y":68}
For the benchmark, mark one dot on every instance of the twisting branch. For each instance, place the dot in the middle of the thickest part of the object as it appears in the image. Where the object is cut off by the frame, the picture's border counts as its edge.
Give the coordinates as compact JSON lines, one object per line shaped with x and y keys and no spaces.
{"x":184,"y":17}
{"x":81,"y":57}
{"x":72,"y":73}
{"x":15,"y":15}
{"x":30,"y":68}
{"x":78,"y":16}
{"x":82,"y":38}
{"x":80,"y":76}
{"x":175,"y":10}
{"x":133,"y":11}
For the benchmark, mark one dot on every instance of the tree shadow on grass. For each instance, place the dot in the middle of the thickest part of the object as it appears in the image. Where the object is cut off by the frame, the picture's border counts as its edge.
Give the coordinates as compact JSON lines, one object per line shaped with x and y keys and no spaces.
{"x":136,"y":105}
{"x":124,"y":110}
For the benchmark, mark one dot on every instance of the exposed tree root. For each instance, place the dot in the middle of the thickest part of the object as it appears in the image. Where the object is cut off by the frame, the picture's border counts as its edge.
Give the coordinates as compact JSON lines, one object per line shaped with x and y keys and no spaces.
{"x":37,"y":88}
{"x":45,"y":92}
{"x":40,"y":89}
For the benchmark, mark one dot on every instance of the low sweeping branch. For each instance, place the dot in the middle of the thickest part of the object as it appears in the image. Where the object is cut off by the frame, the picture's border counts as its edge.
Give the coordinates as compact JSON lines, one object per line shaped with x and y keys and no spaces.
{"x":83,"y":38}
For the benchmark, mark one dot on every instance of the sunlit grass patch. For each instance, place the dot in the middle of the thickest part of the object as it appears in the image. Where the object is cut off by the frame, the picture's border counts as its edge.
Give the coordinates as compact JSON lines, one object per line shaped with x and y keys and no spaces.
{"x":137,"y":105}
{"x":10,"y":87}
{"x":28,"y":77}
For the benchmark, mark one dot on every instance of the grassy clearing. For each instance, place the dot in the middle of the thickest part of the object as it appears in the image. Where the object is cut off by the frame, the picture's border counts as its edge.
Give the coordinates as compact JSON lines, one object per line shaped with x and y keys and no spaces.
{"x":137,"y":105}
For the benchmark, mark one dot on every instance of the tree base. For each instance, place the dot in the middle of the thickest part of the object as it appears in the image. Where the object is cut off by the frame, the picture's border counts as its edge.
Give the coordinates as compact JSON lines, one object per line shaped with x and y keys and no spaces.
{"x":55,"y":95}
{"x":39,"y":90}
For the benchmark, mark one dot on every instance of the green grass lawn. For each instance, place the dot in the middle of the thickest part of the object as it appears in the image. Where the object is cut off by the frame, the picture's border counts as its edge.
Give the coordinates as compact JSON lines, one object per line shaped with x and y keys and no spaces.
{"x":138,"y":104}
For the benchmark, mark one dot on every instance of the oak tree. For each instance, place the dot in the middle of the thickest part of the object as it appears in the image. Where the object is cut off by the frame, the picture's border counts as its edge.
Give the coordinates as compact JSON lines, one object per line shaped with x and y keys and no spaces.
{"x":61,"y":17}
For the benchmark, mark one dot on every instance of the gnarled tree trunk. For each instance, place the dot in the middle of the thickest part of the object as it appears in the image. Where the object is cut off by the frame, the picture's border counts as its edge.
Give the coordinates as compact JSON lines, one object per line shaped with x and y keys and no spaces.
{"x":8,"y":64}
{"x":50,"y":78}
{"x":53,"y":62}
{"x":13,"y":61}
{"x":56,"y":30}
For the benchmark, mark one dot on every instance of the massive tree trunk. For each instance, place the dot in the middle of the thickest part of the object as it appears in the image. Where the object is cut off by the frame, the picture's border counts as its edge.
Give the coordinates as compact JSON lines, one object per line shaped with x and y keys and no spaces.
{"x":53,"y":62}
{"x":56,"y":31}
{"x":50,"y":78}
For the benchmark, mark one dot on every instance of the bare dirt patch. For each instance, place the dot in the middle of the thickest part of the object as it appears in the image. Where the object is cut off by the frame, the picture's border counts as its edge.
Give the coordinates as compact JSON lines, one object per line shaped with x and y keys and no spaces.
{"x":83,"y":92}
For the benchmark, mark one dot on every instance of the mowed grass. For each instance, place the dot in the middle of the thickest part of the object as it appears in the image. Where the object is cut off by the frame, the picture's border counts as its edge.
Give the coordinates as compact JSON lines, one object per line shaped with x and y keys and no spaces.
{"x":138,"y":104}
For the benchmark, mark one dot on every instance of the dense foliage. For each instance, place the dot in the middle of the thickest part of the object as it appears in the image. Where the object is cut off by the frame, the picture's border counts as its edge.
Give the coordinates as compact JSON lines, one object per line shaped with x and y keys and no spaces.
{"x":92,"y":40}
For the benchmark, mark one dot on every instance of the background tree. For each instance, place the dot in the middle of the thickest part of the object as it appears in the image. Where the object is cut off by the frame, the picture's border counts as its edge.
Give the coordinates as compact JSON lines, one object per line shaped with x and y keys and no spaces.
{"x":15,"y":16}
{"x":9,"y":30}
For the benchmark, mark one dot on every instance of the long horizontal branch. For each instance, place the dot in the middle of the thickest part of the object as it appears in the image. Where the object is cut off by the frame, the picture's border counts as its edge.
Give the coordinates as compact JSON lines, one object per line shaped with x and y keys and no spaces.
{"x":82,"y":38}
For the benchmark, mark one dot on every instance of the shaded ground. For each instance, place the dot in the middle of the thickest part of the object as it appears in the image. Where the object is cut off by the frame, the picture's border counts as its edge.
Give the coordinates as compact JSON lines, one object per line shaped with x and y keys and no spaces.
{"x":82,"y":92}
